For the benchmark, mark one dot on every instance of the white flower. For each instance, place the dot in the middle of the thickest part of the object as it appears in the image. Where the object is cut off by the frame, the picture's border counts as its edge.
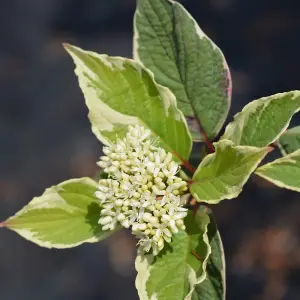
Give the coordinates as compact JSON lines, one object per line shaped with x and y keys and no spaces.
{"x":143,"y":190}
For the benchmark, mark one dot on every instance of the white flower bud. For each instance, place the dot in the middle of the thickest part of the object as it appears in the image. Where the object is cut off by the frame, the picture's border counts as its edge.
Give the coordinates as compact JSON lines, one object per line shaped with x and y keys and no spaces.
{"x":142,"y":227}
{"x":125,"y":223}
{"x":167,"y":239}
{"x":121,"y":217}
{"x":147,"y":217}
{"x":154,"y":220}
{"x":136,"y":195}
{"x":105,"y":158}
{"x":156,"y":213}
{"x":119,"y":202}
{"x":105,"y":220}
{"x":107,"y":227}
{"x":160,"y":243}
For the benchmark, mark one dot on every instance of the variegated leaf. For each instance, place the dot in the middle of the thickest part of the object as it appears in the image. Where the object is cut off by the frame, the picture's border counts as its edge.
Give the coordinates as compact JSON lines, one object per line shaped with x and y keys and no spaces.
{"x":221,"y":175}
{"x":169,"y":42}
{"x":262,"y":121}
{"x":65,"y":216}
{"x":283,"y":172}
{"x":119,"y":92}
{"x":179,"y":267}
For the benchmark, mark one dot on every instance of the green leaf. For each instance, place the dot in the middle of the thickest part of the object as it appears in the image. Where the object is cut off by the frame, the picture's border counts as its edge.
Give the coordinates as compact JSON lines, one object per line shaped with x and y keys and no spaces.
{"x":284,"y":172}
{"x":173,"y":274}
{"x":65,"y":216}
{"x":262,"y":121}
{"x":221,"y":175}
{"x":169,"y":42}
{"x":214,"y":286}
{"x":100,"y":175}
{"x":119,"y":92}
{"x":289,"y":141}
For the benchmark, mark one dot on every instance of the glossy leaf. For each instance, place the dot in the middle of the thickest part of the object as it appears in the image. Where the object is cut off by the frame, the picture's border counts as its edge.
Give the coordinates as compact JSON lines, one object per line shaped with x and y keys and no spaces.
{"x":262,"y":121}
{"x":179,"y":267}
{"x":221,"y":175}
{"x":119,"y":92}
{"x":65,"y":216}
{"x":283,"y":172}
{"x":169,"y":42}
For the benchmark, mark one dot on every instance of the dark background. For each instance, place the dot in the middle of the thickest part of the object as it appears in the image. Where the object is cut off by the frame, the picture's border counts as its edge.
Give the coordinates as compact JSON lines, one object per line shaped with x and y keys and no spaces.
{"x":45,"y":138}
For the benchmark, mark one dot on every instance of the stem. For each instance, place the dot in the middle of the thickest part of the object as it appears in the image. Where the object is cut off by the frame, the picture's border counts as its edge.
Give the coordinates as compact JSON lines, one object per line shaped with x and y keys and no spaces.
{"x":206,"y":140}
{"x":2,"y":224}
{"x":189,"y":166}
{"x":185,"y":163}
{"x":196,"y":255}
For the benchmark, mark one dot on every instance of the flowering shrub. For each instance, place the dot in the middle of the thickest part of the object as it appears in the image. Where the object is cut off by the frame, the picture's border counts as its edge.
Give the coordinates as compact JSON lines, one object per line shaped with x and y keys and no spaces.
{"x":148,"y":111}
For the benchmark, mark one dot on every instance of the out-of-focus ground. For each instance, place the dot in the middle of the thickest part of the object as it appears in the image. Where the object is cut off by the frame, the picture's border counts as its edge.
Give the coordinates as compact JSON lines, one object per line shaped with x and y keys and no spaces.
{"x":45,"y":138}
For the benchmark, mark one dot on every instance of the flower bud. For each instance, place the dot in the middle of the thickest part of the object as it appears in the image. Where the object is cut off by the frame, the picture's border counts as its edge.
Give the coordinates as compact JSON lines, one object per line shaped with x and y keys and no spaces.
{"x":105,"y":220}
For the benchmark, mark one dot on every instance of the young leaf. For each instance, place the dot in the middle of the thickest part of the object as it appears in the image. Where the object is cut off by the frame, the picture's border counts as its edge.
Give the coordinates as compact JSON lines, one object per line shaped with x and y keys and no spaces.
{"x":214,"y":286}
{"x":169,"y":42}
{"x":289,"y":141}
{"x":284,"y":172}
{"x":65,"y":216}
{"x":119,"y":92}
{"x":262,"y":121}
{"x":221,"y":175}
{"x":179,"y":267}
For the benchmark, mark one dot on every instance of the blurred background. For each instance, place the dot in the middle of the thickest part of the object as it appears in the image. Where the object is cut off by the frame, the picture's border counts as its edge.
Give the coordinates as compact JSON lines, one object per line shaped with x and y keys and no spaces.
{"x":45,"y":138}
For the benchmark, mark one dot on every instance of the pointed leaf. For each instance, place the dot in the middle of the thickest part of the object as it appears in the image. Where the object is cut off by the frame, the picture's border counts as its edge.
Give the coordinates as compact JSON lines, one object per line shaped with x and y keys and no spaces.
{"x":289,"y":141}
{"x":283,"y":172}
{"x":169,"y":42}
{"x":221,"y":175}
{"x":262,"y":121}
{"x":65,"y":216}
{"x":174,"y":272}
{"x":214,"y":286}
{"x":119,"y":92}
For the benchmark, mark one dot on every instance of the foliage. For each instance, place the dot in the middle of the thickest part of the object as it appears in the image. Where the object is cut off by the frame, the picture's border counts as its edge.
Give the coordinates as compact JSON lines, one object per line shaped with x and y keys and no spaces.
{"x":147,"y":111}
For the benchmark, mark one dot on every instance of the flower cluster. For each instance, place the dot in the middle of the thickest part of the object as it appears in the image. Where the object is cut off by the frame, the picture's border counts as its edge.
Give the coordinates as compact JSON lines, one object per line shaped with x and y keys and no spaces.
{"x":143,"y":190}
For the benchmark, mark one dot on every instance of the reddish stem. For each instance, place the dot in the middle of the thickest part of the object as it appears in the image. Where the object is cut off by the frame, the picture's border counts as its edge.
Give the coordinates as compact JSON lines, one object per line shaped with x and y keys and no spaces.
{"x":196,"y":255}
{"x":185,"y":163}
{"x":189,"y":166}
{"x":206,"y":140}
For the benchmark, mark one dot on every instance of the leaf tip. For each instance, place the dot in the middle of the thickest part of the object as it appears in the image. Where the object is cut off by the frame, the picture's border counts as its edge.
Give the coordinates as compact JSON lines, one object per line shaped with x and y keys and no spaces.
{"x":66,"y":45}
{"x":69,"y":48}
